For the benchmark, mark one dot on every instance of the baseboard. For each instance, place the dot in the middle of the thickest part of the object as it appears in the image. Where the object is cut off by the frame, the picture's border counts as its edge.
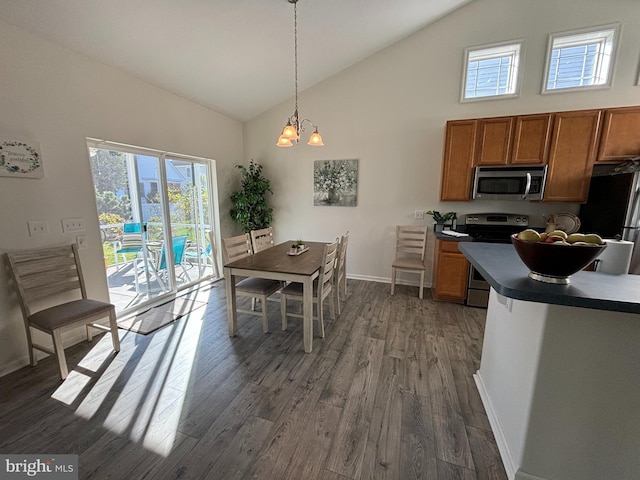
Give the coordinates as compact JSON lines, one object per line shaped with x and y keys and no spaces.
{"x":505,"y":453}
{"x":388,"y":280}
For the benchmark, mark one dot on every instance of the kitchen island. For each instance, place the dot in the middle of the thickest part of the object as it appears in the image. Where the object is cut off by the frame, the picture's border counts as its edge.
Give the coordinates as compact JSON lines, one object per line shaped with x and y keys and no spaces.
{"x":560,"y":370}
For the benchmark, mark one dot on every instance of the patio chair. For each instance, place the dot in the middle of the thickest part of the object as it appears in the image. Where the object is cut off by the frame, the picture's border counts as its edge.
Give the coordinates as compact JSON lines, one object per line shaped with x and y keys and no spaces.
{"x":179,"y":245}
{"x":205,"y":257}
{"x":44,"y":276}
{"x":131,"y":242}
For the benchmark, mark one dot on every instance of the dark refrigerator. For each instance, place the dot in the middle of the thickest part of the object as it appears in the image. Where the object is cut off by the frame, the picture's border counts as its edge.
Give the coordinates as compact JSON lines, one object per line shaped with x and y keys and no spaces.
{"x":613,"y":206}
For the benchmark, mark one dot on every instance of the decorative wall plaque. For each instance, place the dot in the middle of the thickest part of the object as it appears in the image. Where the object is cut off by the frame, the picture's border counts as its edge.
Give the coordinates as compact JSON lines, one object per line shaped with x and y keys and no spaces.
{"x":20,"y":159}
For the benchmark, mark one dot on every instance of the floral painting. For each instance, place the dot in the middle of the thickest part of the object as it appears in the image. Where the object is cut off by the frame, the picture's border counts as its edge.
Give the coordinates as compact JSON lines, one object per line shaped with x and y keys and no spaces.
{"x":335,"y":182}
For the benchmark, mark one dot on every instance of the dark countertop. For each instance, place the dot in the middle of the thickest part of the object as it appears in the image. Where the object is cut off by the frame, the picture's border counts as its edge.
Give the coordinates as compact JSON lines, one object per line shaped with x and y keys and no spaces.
{"x":451,"y":238}
{"x":501,"y":266}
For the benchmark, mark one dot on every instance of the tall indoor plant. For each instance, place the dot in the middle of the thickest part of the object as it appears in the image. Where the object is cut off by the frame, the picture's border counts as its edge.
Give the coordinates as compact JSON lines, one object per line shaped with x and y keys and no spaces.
{"x":249,"y":203}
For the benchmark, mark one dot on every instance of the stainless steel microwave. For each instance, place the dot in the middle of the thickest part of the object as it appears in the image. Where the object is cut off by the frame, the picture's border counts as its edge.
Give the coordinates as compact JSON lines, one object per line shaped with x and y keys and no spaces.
{"x":510,"y":183}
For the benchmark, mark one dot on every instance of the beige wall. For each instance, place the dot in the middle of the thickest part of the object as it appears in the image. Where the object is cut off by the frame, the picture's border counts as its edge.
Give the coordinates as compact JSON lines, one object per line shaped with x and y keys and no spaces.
{"x":389,"y":112}
{"x":59,"y":98}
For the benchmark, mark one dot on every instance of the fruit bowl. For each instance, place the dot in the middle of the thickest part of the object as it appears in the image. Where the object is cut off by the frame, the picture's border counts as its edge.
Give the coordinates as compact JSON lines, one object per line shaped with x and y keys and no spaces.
{"x":555,"y":262}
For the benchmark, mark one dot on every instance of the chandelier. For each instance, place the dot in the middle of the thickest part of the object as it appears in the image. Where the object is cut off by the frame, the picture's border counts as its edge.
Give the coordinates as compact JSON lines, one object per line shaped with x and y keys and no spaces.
{"x":294,"y":127}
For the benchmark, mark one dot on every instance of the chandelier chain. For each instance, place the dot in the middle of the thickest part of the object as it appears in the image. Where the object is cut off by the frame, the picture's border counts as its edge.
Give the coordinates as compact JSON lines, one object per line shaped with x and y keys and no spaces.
{"x":295,"y":49}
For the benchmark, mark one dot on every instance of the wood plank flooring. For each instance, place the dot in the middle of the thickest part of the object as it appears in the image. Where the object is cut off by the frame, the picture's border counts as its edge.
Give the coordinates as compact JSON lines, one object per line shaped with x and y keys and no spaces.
{"x":388,"y":394}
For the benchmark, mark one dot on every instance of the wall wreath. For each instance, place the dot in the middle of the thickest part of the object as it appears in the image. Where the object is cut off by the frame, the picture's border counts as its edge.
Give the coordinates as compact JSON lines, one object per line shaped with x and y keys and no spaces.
{"x":20,"y":159}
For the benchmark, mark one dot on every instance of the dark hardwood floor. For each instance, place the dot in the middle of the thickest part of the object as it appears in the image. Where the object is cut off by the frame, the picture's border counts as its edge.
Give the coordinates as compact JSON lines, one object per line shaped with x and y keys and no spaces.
{"x":388,"y":394}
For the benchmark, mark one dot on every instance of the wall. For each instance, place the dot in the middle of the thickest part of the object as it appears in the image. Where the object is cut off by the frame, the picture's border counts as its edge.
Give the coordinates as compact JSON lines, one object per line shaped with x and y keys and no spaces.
{"x":389,"y":112}
{"x":58,"y":98}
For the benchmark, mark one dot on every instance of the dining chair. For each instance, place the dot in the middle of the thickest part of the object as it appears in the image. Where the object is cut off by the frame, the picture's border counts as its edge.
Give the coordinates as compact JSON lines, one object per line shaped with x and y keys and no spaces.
{"x":42,"y":277}
{"x":262,"y":239}
{"x":340,"y":276}
{"x":411,"y":242}
{"x":322,"y":289}
{"x":236,"y":248}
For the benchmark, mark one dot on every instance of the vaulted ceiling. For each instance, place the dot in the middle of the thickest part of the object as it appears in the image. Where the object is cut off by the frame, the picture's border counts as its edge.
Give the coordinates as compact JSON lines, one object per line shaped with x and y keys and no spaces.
{"x":233,"y":56}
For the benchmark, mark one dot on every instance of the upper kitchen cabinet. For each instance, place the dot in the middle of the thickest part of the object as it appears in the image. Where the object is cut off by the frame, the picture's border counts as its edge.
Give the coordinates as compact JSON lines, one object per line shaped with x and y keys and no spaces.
{"x":620,"y":134}
{"x":572,"y":155}
{"x":457,"y":168}
{"x":522,"y":140}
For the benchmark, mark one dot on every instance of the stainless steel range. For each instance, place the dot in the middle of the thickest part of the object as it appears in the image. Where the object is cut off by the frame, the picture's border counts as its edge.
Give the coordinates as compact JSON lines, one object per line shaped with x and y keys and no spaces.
{"x":493,"y":228}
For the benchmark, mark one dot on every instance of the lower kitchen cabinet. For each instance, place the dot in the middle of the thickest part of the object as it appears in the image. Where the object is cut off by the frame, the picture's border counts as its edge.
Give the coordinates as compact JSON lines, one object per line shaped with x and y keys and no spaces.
{"x":451,"y":272}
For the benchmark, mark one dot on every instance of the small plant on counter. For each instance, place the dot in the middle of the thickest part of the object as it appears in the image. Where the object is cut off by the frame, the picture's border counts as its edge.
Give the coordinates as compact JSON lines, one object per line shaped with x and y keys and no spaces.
{"x":441,"y":218}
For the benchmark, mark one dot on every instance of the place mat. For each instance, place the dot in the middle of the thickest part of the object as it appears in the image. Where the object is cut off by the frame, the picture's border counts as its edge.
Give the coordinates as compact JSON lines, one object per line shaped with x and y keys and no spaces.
{"x":157,"y":317}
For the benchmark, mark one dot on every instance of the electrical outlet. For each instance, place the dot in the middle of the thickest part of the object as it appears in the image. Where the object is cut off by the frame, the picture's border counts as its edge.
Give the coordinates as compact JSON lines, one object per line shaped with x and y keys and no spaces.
{"x":418,"y":214}
{"x":73,"y":224}
{"x":38,"y":227}
{"x":81,"y":241}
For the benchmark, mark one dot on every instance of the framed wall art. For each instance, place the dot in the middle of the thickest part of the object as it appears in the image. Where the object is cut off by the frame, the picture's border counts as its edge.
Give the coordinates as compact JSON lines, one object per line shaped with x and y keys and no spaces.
{"x":335,"y":183}
{"x":20,"y":158}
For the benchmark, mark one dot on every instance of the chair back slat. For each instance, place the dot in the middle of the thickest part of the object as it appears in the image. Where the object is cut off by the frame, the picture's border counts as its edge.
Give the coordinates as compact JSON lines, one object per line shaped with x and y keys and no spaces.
{"x":262,"y":239}
{"x":327,"y":267}
{"x":411,"y":240}
{"x":235,"y":248}
{"x":40,"y":274}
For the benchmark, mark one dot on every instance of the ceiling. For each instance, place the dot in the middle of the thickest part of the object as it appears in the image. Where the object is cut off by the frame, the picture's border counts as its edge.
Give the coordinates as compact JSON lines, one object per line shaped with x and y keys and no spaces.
{"x":233,"y":56}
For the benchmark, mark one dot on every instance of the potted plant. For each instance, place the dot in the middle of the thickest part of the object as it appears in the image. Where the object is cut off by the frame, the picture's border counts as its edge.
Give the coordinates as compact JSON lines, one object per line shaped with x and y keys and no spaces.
{"x":249,"y":203}
{"x":441,"y":219}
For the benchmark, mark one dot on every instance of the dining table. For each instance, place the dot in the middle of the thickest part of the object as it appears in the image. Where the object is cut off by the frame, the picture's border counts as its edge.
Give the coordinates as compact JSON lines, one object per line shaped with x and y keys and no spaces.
{"x":278,"y":263}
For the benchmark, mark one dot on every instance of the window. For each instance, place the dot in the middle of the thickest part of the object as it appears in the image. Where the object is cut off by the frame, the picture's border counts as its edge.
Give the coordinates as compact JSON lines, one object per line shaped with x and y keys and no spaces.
{"x":491,"y":71}
{"x":580,"y":59}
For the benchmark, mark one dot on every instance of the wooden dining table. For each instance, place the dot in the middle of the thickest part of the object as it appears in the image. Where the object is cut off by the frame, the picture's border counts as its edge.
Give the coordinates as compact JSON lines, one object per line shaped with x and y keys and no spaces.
{"x":275,"y":263}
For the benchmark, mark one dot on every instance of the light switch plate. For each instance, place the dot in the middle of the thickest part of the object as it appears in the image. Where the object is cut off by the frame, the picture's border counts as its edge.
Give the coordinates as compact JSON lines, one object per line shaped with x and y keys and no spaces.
{"x":418,"y":214}
{"x":73,"y":224}
{"x":38,"y":227}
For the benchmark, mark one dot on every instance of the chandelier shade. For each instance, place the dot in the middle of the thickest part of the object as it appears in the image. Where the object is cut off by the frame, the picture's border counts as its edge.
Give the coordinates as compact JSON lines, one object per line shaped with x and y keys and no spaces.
{"x":294,"y":127}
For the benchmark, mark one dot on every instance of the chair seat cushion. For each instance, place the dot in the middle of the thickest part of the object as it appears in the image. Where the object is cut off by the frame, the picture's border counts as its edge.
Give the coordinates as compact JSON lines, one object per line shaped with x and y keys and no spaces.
{"x":411,"y":263}
{"x":295,"y":288}
{"x":259,"y":286}
{"x":68,"y":313}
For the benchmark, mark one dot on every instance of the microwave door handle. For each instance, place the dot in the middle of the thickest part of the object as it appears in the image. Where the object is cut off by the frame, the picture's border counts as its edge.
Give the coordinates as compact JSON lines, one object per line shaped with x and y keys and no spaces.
{"x":528,"y":187}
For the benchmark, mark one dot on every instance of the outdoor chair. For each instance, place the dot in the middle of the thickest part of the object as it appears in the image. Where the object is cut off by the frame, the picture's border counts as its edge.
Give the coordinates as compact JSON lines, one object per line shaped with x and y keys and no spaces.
{"x":179,"y":245}
{"x":44,"y":279}
{"x":131,"y":242}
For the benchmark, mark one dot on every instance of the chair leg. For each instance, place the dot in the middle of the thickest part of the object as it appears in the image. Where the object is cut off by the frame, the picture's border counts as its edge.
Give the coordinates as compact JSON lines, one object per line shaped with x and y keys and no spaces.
{"x":344,"y":283}
{"x":421,"y":283}
{"x":265,"y":318}
{"x":332,"y":306}
{"x":320,"y":306}
{"x":33,"y":359}
{"x":393,"y":280}
{"x":336,"y":296}
{"x":59,"y":349}
{"x":113,"y":324}
{"x":89,"y":333}
{"x":283,"y":310}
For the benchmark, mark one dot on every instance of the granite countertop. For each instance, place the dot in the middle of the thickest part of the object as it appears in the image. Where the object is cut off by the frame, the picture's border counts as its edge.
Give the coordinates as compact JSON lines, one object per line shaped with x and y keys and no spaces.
{"x":501,"y":266}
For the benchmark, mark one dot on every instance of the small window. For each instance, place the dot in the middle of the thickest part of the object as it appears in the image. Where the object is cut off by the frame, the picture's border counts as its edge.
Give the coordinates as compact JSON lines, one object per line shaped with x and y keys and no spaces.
{"x":491,"y":71}
{"x":580,"y":59}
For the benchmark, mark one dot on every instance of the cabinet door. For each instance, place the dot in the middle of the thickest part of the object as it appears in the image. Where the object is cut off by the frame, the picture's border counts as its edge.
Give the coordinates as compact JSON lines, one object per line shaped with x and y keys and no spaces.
{"x":573,"y":151}
{"x":451,"y":274}
{"x":620,"y":134}
{"x":457,"y":168}
{"x":531,"y":139}
{"x":494,"y":141}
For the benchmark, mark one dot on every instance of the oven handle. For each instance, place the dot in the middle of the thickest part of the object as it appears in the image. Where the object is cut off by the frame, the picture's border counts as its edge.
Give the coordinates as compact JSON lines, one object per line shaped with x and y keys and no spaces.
{"x":528,"y":187}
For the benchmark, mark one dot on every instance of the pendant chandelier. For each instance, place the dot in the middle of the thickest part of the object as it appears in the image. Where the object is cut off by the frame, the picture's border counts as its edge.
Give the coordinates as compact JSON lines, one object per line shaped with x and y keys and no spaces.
{"x":294,"y":127}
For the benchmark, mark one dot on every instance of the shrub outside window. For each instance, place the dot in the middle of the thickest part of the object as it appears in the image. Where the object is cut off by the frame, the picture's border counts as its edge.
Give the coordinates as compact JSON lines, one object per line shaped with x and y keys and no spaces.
{"x":491,"y":71}
{"x":580,"y":59}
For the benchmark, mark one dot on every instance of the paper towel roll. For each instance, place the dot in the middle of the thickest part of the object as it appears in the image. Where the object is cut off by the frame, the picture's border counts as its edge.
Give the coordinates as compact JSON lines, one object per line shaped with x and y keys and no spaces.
{"x":616,"y":258}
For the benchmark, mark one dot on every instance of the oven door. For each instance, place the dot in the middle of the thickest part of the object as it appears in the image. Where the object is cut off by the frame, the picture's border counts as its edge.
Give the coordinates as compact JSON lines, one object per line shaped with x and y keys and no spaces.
{"x":478,"y":289}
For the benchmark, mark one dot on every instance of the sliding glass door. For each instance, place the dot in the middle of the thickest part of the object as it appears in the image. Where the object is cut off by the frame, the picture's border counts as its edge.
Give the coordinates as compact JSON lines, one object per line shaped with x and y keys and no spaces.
{"x":156,"y":222}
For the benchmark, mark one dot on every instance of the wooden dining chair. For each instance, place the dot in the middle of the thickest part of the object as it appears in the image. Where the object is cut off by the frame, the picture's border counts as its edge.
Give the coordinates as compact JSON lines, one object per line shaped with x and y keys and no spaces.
{"x":41,"y":278}
{"x":340,"y":276}
{"x":235,"y":248}
{"x":262,"y":239}
{"x":411,"y":242}
{"x":322,"y":289}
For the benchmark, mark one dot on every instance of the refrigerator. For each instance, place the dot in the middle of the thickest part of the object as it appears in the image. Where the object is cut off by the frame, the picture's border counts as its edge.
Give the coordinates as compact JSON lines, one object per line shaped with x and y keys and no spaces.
{"x":613,"y":205}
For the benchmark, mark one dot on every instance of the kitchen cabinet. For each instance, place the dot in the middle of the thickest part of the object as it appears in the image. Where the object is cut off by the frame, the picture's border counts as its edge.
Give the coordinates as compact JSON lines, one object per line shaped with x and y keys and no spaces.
{"x":620,"y":134}
{"x":572,"y":155}
{"x":521,"y":140}
{"x":451,"y":272}
{"x":457,"y":167}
